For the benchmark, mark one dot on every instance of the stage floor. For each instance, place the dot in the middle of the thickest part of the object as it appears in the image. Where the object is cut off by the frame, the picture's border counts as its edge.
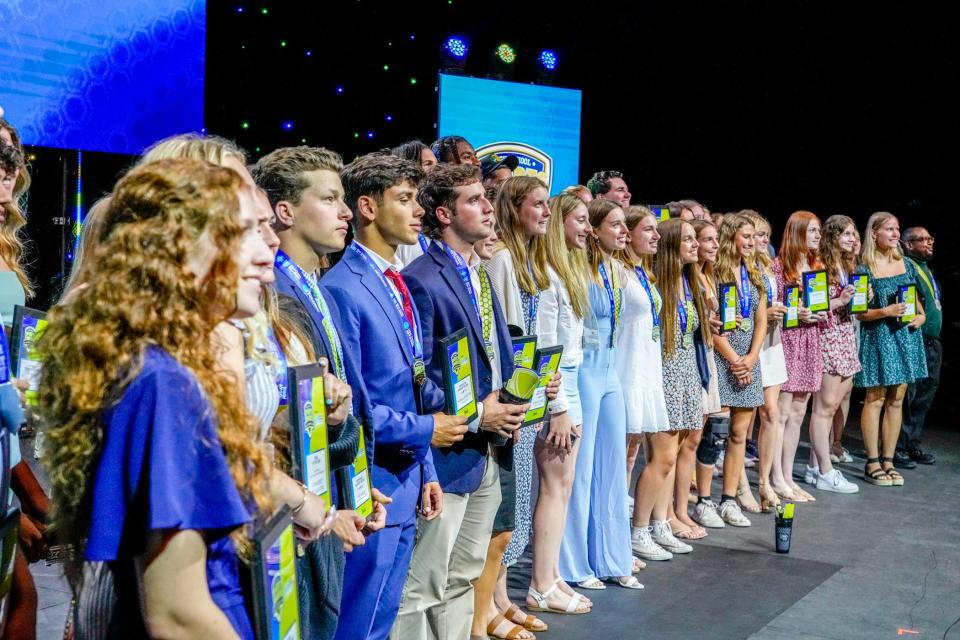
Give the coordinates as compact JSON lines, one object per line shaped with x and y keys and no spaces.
{"x":884,"y":563}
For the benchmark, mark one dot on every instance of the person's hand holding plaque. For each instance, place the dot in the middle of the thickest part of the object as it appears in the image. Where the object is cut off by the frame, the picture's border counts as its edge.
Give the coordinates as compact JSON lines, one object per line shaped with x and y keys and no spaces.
{"x":775,"y":313}
{"x":447,"y":429}
{"x":553,"y":387}
{"x":348,"y":526}
{"x":500,"y":418}
{"x":894,"y":310}
{"x":378,"y":519}
{"x":337,"y":394}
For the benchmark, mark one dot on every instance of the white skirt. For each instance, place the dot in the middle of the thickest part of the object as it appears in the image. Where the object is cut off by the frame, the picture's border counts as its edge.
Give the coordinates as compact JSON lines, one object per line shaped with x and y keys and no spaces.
{"x":773,"y":366}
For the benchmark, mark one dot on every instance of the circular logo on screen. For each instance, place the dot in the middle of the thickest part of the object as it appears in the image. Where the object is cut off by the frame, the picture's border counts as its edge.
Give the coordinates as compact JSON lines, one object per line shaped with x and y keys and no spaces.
{"x":530,"y":160}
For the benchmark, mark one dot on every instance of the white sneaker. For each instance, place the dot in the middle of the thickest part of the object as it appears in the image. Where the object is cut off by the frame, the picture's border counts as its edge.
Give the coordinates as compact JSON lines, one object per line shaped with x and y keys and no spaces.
{"x":810,"y":477}
{"x":705,"y":513}
{"x":662,"y":534}
{"x":644,"y":546}
{"x":834,"y":481}
{"x":845,"y":456}
{"x":731,"y":514}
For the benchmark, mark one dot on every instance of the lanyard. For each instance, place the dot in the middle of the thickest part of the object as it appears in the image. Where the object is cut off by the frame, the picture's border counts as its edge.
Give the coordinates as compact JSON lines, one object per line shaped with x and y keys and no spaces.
{"x":532,"y":303}
{"x":423,"y":243}
{"x":614,"y":295}
{"x":843,"y":277}
{"x":281,"y":372}
{"x":642,"y":275}
{"x":743,"y":293}
{"x":310,"y":288}
{"x":412,"y":332}
{"x":682,"y":307}
{"x":931,"y":281}
{"x":484,"y":307}
{"x":4,"y":361}
{"x":766,"y":278}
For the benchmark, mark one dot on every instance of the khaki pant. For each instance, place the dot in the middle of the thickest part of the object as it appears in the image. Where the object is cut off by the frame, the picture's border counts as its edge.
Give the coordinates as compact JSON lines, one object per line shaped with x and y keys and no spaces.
{"x":448,"y":557}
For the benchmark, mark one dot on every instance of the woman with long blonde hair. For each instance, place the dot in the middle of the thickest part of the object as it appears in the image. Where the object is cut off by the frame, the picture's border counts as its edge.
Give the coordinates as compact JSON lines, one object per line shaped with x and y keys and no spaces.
{"x":773,"y":368}
{"x":518,"y":276}
{"x":737,"y":353}
{"x":839,"y":351}
{"x":563,"y":307}
{"x":596,"y":541}
{"x":799,"y":252}
{"x":892,"y":354}
{"x":130,"y":376}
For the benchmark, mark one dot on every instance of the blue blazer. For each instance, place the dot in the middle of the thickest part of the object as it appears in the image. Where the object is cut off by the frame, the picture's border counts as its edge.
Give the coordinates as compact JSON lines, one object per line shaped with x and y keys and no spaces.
{"x":445,"y":307}
{"x":371,"y":332}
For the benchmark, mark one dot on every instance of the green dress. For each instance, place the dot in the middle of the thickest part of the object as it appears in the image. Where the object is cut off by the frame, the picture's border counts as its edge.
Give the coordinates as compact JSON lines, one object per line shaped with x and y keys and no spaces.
{"x":890,"y":352}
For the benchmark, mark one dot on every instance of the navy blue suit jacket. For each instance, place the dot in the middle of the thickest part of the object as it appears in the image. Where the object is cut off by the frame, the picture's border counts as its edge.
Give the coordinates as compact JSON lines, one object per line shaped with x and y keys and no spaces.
{"x":445,"y":306}
{"x":371,"y":332}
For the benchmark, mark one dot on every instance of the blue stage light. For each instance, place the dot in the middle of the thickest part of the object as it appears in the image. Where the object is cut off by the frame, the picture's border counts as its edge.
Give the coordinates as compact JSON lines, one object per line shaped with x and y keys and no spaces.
{"x":548,"y":60}
{"x":456,"y":47}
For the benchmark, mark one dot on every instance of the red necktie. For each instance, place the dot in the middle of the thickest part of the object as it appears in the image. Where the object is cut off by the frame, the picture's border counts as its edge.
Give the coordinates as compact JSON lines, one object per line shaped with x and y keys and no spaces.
{"x":397,"y":280}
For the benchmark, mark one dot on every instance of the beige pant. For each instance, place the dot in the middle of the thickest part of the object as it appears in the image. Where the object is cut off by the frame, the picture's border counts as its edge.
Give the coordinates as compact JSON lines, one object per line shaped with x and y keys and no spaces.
{"x":448,"y":556}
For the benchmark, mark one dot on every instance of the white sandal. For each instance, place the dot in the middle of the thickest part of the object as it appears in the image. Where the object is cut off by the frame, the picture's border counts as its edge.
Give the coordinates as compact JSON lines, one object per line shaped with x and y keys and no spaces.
{"x":592,"y":583}
{"x":629,"y":582}
{"x":573,"y":602}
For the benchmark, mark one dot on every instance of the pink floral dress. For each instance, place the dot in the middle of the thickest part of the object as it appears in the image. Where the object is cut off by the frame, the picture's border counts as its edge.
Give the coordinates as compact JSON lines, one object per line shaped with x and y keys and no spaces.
{"x":838,"y":340}
{"x":801,"y":349}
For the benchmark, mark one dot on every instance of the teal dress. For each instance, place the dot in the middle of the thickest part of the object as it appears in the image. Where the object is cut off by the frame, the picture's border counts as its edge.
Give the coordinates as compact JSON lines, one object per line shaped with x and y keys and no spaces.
{"x":11,"y":293}
{"x":890,"y":352}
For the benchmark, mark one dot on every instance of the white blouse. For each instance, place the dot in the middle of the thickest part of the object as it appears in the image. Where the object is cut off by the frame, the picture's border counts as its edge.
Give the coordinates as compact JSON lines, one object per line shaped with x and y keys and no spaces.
{"x":558,"y":324}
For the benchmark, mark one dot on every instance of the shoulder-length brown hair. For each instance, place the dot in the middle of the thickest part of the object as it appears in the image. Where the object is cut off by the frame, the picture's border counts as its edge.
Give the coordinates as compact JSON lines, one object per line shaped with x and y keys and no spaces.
{"x":794,"y":248}
{"x":835,"y":259}
{"x":145,"y":294}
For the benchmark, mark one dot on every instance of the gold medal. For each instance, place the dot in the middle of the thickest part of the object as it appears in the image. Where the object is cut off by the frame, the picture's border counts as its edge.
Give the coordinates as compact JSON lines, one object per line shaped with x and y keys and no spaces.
{"x":419,"y":372}
{"x":746,"y":324}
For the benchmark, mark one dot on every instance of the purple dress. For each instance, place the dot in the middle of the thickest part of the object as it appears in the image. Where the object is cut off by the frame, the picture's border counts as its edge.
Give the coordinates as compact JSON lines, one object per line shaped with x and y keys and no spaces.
{"x":162,"y":467}
{"x":801,"y":349}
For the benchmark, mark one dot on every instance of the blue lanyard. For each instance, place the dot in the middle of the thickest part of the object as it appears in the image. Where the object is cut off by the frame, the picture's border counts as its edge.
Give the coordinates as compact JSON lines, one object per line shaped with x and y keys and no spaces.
{"x":412,"y":332}
{"x":642,"y":275}
{"x":682,"y":307}
{"x":310,"y":288}
{"x":744,"y":292}
{"x":611,"y":296}
{"x":533,"y":303}
{"x":464,"y":271}
{"x":423,"y":243}
{"x":281,"y":373}
{"x":844,"y":279}
{"x":766,"y":279}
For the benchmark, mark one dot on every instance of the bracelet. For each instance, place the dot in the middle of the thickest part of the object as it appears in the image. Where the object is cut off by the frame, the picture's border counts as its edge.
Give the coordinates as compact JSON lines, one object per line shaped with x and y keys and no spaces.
{"x":303,"y":501}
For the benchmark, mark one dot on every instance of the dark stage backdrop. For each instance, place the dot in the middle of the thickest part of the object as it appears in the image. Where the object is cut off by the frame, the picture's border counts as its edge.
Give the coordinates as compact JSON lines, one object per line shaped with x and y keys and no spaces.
{"x":776,"y":107}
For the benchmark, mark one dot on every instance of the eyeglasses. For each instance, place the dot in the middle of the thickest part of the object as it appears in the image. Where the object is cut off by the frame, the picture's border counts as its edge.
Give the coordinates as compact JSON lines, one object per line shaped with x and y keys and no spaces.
{"x":922,"y":240}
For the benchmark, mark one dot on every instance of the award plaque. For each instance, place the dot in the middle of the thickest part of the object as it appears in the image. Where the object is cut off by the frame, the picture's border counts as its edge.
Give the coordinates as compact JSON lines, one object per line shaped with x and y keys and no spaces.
{"x":524,"y":351}
{"x":28,"y":326}
{"x":310,"y":462}
{"x":547,"y":361}
{"x":355,"y":482}
{"x":907,"y":294}
{"x":816,"y":293}
{"x":273,"y":578}
{"x":661,"y":212}
{"x":458,"y":377}
{"x":727,"y":298}
{"x":860,"y":282}
{"x":791,"y":300}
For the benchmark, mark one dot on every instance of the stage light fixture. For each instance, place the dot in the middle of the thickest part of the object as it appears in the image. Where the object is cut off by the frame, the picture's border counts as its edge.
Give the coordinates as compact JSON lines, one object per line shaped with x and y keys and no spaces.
{"x":506,"y":54}
{"x":453,"y":55}
{"x":548,"y":60}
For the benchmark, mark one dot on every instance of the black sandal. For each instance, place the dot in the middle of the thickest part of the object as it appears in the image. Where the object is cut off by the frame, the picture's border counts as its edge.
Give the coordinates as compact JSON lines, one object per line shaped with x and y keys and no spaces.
{"x":878,"y":476}
{"x":894,"y":475}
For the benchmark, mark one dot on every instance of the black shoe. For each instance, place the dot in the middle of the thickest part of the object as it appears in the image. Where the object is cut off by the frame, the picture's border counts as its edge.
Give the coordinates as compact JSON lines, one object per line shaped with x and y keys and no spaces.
{"x":920,"y":456}
{"x":901,"y":460}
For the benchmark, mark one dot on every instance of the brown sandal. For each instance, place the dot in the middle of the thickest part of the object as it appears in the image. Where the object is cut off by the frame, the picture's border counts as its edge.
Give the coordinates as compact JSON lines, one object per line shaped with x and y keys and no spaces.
{"x":894,"y":475}
{"x":513,"y":634}
{"x":529,"y":622}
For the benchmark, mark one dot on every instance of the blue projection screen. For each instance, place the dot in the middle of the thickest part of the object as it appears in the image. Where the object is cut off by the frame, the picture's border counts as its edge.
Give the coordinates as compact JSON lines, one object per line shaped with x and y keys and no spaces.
{"x":540,"y":125}
{"x":102,"y":75}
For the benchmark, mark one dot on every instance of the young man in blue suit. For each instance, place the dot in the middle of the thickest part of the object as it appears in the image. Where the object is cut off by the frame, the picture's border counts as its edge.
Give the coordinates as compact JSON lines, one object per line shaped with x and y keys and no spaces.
{"x":381,"y":328}
{"x":305,"y":195}
{"x":451,"y":289}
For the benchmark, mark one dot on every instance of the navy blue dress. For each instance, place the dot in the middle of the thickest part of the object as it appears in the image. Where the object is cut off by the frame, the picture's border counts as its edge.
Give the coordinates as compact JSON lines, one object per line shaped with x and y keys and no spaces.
{"x":163,"y":467}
